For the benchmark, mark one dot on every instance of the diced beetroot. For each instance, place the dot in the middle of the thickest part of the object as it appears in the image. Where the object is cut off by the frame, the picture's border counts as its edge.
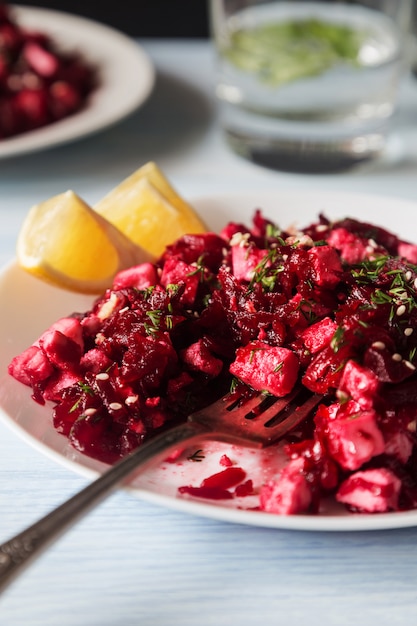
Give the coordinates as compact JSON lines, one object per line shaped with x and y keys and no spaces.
{"x":266,"y":368}
{"x":68,"y":410}
{"x":290,"y":494}
{"x":398,"y":444}
{"x":77,"y":73}
{"x":231,"y":229}
{"x":297,"y":312}
{"x":64,"y":99}
{"x":140,"y":277}
{"x":41,"y":60}
{"x":137,"y":425}
{"x":408,"y":251}
{"x":10,"y":37}
{"x":217,"y":486}
{"x":359,"y":383}
{"x":371,"y":491}
{"x":10,"y":119}
{"x":209,"y":493}
{"x":326,"y":266}
{"x":353,"y":249}
{"x":354,"y":438}
{"x":229,"y":477}
{"x":95,"y":361}
{"x":31,"y":366}
{"x":325,"y":413}
{"x":245,"y":260}
{"x":329,"y":474}
{"x":387,"y":367}
{"x":262,"y":227}
{"x":70,"y":327}
{"x":322,"y":470}
{"x":226,"y":461}
{"x":244,"y":489}
{"x":325,"y":370}
{"x":176,"y":272}
{"x":174,"y":456}
{"x":148,"y":360}
{"x":58,"y":382}
{"x":32,"y":107}
{"x":318,"y":335}
{"x":155,"y":416}
{"x":62,"y":351}
{"x":199,"y":357}
{"x":371,"y":233}
{"x":90,"y":434}
{"x":178,"y":384}
{"x":196,"y":248}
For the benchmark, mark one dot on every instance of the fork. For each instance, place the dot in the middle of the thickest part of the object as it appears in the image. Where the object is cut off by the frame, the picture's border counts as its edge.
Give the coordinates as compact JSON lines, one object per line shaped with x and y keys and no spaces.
{"x":256,"y":422}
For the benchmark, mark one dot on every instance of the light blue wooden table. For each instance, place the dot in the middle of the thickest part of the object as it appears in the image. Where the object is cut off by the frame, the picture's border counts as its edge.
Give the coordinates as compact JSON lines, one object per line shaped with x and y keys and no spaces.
{"x":132,"y":563}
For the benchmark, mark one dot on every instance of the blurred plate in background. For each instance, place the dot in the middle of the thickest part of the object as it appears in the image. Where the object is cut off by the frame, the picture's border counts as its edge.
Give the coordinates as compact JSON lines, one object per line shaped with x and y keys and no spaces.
{"x":126,"y":77}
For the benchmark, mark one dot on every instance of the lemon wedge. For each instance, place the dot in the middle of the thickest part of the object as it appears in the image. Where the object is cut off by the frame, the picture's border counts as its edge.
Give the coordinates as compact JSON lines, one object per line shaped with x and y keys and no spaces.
{"x":65,"y":242}
{"x":148,"y":210}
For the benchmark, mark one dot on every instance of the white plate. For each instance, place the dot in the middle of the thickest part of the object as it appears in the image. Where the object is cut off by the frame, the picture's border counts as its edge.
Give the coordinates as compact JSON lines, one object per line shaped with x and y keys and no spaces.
{"x":28,"y":306}
{"x":125,"y":72}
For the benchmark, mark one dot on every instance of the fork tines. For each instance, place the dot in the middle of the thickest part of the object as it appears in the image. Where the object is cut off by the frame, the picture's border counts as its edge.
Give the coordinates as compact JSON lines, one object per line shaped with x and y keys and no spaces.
{"x":262,"y":419}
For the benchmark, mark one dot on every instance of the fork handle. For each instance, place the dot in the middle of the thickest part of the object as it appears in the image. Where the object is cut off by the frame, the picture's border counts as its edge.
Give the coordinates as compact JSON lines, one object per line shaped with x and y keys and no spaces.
{"x":21,"y":550}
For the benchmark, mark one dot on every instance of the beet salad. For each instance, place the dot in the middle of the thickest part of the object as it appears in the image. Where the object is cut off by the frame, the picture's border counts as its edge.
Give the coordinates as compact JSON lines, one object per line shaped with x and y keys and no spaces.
{"x":332,"y":308}
{"x":39,"y":83}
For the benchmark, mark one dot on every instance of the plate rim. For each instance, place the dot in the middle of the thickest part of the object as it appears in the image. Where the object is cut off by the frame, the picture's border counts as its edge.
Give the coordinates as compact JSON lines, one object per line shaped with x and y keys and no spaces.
{"x":74,"y":127}
{"x":310,"y":523}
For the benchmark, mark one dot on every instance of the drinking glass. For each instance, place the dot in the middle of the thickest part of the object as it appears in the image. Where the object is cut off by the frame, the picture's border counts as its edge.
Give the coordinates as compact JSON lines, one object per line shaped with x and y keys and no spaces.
{"x":305,"y":85}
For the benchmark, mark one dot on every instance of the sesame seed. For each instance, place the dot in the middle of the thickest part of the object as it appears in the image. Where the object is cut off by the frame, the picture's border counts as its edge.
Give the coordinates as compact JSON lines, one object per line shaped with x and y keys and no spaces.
{"x":379,"y":345}
{"x":99,"y":338}
{"x":284,"y":257}
{"x":131,"y":400}
{"x":412,"y":426}
{"x":397,"y":357}
{"x":409,"y":365}
{"x":108,"y":307}
{"x":90,"y":411}
{"x":115,"y":406}
{"x":102,"y":376}
{"x":306,"y":240}
{"x":408,"y":331}
{"x":408,"y":275}
{"x":342,"y":396}
{"x":415,"y":283}
{"x":372,"y":243}
{"x":321,"y":228}
{"x":239,"y":239}
{"x":401,"y":310}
